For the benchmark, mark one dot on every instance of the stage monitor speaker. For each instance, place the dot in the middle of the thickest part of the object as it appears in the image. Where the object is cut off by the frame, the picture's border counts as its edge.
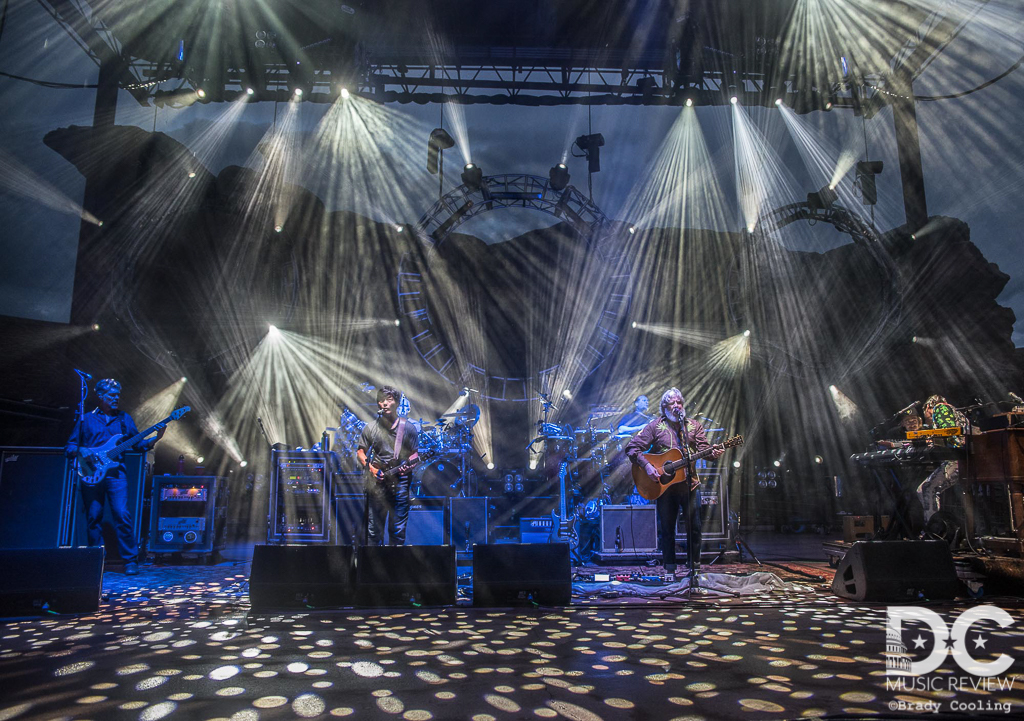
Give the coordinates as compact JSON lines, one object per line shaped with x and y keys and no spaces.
{"x":301,"y":577}
{"x":898,"y":571}
{"x":629,"y":529}
{"x":405,"y":576}
{"x":522,"y":574}
{"x":36,"y":493}
{"x":59,"y":580}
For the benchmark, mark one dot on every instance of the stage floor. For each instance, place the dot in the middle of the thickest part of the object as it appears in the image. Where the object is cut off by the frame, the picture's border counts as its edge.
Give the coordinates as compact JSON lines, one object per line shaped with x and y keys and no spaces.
{"x":182,"y":642}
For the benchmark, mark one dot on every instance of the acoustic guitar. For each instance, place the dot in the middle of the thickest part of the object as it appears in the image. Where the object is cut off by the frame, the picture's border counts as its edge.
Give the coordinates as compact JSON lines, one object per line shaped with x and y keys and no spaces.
{"x":672,"y":468}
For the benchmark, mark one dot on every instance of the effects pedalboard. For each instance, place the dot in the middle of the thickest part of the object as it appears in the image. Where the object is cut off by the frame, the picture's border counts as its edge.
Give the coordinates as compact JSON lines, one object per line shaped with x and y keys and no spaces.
{"x":638,"y":578}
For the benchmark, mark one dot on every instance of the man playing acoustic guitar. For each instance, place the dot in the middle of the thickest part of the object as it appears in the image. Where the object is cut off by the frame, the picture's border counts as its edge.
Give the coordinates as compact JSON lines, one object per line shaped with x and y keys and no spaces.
{"x":91,"y":431}
{"x":674,"y":430}
{"x":389,"y":450}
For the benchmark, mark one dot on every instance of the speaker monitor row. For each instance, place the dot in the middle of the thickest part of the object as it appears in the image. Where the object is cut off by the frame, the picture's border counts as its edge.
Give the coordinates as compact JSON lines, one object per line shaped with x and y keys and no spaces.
{"x":897,"y":571}
{"x":58,"y":580}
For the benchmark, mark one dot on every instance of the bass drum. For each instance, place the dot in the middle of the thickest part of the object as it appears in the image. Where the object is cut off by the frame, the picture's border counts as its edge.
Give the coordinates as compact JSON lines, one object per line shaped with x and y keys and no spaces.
{"x":440,"y":477}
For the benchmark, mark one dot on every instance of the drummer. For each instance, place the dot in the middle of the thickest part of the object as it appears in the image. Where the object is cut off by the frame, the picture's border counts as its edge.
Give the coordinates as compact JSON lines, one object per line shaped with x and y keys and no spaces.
{"x":632,"y":422}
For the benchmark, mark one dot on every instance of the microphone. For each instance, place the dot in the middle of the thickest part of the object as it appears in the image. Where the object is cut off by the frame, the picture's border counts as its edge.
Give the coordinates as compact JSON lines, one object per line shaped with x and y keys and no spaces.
{"x":88,"y":376}
{"x":470,"y":390}
{"x":904,"y":410}
{"x":1016,"y":398}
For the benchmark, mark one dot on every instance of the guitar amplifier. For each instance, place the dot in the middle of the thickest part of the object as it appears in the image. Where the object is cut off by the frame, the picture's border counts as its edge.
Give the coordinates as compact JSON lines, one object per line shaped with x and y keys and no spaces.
{"x":300,"y":498}
{"x":629,"y":529}
{"x":714,"y":491}
{"x":187,"y":514}
{"x":37,"y":494}
{"x":536,"y":530}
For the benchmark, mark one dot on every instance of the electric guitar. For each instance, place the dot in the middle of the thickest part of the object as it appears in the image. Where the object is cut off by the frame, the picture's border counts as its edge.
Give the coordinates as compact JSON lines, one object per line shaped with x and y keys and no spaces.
{"x":383,"y":472}
{"x":672,"y":469}
{"x":563,"y":526}
{"x":95,"y":463}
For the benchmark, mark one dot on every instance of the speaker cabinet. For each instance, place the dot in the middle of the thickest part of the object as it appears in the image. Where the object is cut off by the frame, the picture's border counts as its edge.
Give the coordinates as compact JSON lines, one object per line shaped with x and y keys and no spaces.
{"x":348,"y":518}
{"x":61,"y":580}
{"x":426,"y":524}
{"x":301,"y":576}
{"x":629,"y":529}
{"x":898,"y":571}
{"x":405,"y":576}
{"x":522,"y":574}
{"x":36,"y":493}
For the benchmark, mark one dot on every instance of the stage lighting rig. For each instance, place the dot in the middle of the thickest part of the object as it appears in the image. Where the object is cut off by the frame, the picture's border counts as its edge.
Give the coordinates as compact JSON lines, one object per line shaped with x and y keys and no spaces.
{"x":473,"y":177}
{"x":866,"y":172}
{"x":438,"y":141}
{"x":590,"y":146}
{"x":558,"y":176}
{"x":822,"y":199}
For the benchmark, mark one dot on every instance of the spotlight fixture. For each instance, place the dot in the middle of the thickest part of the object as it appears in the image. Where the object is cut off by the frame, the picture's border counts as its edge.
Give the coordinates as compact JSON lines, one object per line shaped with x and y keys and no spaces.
{"x":200,"y":459}
{"x":100,"y":225}
{"x":633,"y":325}
{"x":398,"y":322}
{"x":201,"y":93}
{"x":689,"y":102}
{"x":191,"y":173}
{"x":243,"y":464}
{"x":746,"y":334}
{"x":298,"y":92}
{"x":490,"y":466}
{"x":278,"y":228}
{"x":778,"y":101}
{"x":95,"y":326}
{"x":272,"y":331}
{"x":439,"y":140}
{"x":736,"y":464}
{"x":591,"y":146}
{"x":632,"y":229}
{"x":184,"y":379}
{"x":828,"y":105}
{"x":734,"y":100}
{"x":822,"y":199}
{"x":533,"y":464}
{"x":558,"y":176}
{"x":777,"y":464}
{"x":250,"y":91}
{"x":345,"y":93}
{"x":866,"y":172}
{"x":472,"y":177}
{"x":819,"y":459}
{"x":567,"y":394}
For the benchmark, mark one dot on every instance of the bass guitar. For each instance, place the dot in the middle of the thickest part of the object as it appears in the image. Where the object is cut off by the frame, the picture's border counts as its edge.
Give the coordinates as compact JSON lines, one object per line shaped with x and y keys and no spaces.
{"x":95,"y":463}
{"x":672,"y":468}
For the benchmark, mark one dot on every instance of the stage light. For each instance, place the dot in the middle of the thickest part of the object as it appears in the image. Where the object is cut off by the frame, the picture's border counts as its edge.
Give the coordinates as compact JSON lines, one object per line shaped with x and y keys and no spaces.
{"x":490,"y":466}
{"x":591,"y":146}
{"x":201,"y":93}
{"x":278,"y":228}
{"x":472,"y":177}
{"x":866,"y":172}
{"x":298,"y":92}
{"x":689,"y":102}
{"x":250,"y":91}
{"x":439,"y":140}
{"x":567,"y":394}
{"x":735,"y":464}
{"x":777,"y":464}
{"x":819,"y":459}
{"x":914,"y":339}
{"x":100,"y":225}
{"x":533,"y":464}
{"x":633,"y":324}
{"x":828,"y":105}
{"x":95,"y":326}
{"x":398,"y":322}
{"x":200,"y":459}
{"x":184,"y":379}
{"x":778,"y":102}
{"x":734,"y":100}
{"x":558,"y":176}
{"x":746,"y":334}
{"x":822,"y":199}
{"x":272,"y":331}
{"x":345,"y":93}
{"x":191,"y":173}
{"x":243,"y":464}
{"x":632,"y":229}
{"x":399,"y":228}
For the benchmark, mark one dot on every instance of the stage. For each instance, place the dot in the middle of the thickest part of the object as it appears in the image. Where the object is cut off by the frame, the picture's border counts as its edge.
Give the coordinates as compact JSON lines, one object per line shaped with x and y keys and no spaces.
{"x":183,"y":642}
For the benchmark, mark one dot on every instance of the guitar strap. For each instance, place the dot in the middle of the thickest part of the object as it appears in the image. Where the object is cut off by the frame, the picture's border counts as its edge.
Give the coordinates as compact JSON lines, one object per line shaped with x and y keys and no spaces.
{"x":399,"y":437}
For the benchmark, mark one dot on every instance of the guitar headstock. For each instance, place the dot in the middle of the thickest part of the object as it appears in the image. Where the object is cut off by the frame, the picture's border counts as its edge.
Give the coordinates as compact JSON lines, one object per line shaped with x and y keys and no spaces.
{"x":734,"y":441}
{"x":175,"y":415}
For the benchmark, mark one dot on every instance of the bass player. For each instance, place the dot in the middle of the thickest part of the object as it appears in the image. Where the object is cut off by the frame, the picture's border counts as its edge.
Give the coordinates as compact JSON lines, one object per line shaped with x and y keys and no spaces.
{"x":389,"y":450}
{"x":90,"y":432}
{"x":674,"y":430}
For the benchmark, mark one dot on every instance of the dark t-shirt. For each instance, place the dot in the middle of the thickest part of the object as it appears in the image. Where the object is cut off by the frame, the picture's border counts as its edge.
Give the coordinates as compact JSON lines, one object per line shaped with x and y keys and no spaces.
{"x":379,"y":437}
{"x":635,"y":419}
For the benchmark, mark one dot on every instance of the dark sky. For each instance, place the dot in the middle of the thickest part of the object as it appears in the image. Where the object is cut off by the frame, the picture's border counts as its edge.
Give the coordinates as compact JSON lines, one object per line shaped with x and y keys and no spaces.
{"x":973,"y":160}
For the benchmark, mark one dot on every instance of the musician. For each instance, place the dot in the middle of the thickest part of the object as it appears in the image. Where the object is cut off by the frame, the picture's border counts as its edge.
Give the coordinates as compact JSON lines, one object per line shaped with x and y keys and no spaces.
{"x":394,"y":443}
{"x":909,"y":422}
{"x":92,"y":430}
{"x":940,"y":413}
{"x":637,"y":419}
{"x":674,"y":430}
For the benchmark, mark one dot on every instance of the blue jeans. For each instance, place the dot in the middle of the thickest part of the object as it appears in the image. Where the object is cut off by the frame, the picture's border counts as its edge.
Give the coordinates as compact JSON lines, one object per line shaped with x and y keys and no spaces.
{"x":115,"y":488}
{"x":388,"y":500}
{"x":679,"y":498}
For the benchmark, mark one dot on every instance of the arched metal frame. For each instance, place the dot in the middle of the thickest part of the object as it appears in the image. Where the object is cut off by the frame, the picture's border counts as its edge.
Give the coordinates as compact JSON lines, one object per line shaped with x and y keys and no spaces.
{"x":603,"y":237}
{"x":863,"y":235}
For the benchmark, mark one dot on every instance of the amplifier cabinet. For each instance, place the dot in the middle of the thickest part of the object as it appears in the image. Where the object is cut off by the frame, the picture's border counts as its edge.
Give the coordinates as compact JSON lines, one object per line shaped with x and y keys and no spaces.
{"x":37,"y":494}
{"x":629,"y":529}
{"x":300,"y":498}
{"x":714,"y":491}
{"x":187,"y":514}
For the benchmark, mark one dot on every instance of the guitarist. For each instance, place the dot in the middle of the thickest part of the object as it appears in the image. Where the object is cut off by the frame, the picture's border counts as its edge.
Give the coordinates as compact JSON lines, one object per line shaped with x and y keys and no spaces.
{"x":674,"y":430}
{"x":393,"y":443}
{"x":91,"y":431}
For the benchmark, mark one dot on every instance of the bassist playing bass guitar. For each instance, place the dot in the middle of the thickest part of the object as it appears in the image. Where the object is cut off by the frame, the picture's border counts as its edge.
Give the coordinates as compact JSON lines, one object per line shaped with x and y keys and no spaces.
{"x":674,"y":430}
{"x":91,"y":431}
{"x":388,"y":449}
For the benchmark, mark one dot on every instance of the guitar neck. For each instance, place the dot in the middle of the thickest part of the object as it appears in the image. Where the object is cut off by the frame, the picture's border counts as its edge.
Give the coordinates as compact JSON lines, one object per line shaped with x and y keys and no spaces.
{"x":125,"y":445}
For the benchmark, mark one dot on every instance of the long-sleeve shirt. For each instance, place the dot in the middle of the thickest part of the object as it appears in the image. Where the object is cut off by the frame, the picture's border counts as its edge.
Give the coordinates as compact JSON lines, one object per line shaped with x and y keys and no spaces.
{"x":659,"y":436}
{"x":96,"y":428}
